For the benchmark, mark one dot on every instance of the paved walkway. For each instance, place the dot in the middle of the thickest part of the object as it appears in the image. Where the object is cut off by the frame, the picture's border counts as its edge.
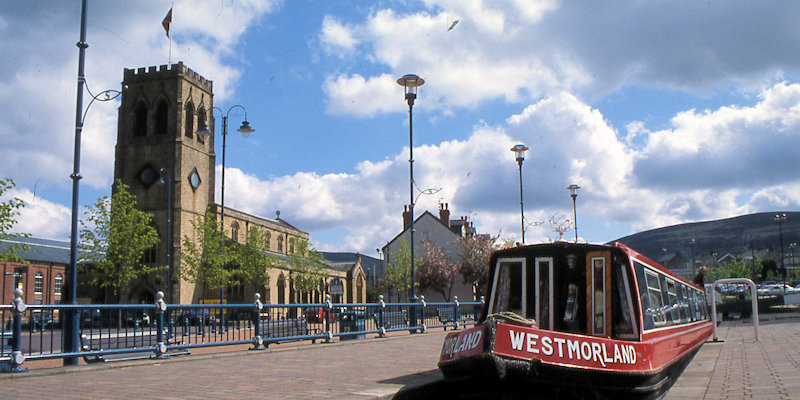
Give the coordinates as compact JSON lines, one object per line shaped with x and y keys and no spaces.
{"x":737,"y":368}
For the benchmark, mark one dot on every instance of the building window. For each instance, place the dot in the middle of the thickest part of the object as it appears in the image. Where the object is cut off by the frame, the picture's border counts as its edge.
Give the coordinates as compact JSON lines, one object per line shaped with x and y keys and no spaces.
{"x":359,"y":290}
{"x":281,"y":289}
{"x":189,"y":122}
{"x":235,"y":231}
{"x":140,"y":119}
{"x":38,"y":283}
{"x":280,"y":244}
{"x":162,"y":117}
{"x":149,"y":256}
{"x":59,"y":282}
{"x":291,"y":246}
{"x":201,"y":120}
{"x":267,"y":236}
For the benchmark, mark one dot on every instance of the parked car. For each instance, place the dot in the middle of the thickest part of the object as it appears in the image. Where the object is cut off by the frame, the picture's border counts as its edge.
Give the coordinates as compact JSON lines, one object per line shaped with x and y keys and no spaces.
{"x":91,"y":318}
{"x":136,"y":318}
{"x":41,"y":320}
{"x":777,"y":289}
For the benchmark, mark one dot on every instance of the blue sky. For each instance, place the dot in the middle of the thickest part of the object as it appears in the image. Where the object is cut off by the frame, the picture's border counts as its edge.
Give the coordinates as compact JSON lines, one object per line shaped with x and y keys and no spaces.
{"x":663,"y":111}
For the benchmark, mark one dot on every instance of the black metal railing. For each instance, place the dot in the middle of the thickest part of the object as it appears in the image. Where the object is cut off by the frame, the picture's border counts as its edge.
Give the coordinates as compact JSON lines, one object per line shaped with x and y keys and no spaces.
{"x":123,"y":331}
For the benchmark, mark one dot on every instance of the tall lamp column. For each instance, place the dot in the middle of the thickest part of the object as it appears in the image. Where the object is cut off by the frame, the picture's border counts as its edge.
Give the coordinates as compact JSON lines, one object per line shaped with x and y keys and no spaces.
{"x":245,"y":129}
{"x":573,"y":191}
{"x":779,"y":219}
{"x":411,"y":82}
{"x":519,"y":154}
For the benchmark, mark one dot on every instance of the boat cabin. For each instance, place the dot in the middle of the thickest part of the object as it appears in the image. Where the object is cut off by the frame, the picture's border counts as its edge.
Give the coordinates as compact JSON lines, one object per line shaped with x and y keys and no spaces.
{"x":593,"y":290}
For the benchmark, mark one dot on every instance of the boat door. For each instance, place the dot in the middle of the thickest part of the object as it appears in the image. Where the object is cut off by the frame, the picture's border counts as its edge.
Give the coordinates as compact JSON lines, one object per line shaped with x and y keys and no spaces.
{"x":544,"y":292}
{"x":598,"y":293}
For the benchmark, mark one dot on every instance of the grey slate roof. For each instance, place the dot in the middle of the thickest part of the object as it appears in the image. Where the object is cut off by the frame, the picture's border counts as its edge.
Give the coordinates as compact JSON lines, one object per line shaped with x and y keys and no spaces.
{"x":41,"y":250}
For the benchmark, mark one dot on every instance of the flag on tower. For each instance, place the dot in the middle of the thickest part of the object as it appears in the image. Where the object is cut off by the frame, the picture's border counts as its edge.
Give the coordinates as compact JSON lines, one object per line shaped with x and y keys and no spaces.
{"x":167,"y":22}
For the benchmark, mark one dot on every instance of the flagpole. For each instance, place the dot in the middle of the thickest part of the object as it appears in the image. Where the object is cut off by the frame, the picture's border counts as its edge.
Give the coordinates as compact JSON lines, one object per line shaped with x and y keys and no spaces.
{"x":171,"y":7}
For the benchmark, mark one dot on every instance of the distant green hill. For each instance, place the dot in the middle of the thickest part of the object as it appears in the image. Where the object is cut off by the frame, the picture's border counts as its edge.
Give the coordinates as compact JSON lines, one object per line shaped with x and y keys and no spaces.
{"x":731,"y":235}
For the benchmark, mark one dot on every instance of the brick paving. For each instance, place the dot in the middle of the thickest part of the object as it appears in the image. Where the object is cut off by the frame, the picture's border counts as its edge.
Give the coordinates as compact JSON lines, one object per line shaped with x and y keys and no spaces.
{"x":736,"y":368}
{"x":359,"y":369}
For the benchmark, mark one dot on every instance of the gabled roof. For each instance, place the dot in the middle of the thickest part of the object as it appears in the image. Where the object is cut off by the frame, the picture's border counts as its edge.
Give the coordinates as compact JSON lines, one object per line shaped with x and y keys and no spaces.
{"x":426,"y":213}
{"x":41,"y":249}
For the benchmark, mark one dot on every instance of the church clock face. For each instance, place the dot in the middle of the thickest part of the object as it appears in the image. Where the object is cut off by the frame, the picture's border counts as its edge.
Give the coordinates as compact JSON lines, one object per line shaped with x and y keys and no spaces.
{"x":147,"y":176}
{"x":194,"y":179}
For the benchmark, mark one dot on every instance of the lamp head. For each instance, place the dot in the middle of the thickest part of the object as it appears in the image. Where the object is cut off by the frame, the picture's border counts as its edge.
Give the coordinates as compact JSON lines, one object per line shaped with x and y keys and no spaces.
{"x":573,"y":190}
{"x":410,"y":82}
{"x":203,"y":131}
{"x":519,"y":152}
{"x":245,"y":129}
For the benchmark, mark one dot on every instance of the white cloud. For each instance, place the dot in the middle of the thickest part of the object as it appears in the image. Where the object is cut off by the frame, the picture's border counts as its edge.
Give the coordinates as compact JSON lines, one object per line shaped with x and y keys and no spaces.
{"x":337,"y":38}
{"x":40,"y":217}
{"x":361,"y":97}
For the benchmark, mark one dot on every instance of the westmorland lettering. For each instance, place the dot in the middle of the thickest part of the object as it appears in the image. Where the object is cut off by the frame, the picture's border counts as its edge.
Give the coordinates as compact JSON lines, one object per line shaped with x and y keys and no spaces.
{"x":465,"y":341}
{"x":569,"y":349}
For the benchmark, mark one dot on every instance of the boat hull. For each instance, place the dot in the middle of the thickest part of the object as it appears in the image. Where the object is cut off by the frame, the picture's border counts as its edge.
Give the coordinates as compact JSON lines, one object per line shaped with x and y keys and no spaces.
{"x":539,"y":361}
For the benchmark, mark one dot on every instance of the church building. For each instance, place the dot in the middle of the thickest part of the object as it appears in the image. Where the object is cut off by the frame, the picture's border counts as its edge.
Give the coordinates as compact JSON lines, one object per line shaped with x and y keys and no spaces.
{"x":160,"y":114}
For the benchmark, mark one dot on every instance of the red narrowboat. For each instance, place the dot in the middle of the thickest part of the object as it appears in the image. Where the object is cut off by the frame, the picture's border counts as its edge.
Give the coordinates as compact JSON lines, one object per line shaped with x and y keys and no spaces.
{"x":584,"y":320}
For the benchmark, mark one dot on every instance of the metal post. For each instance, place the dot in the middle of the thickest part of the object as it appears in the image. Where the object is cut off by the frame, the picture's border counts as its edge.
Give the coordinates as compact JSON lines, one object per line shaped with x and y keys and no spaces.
{"x":521,"y":208}
{"x":413,"y":296}
{"x":71,"y":339}
{"x":161,"y":307}
{"x":779,"y":219}
{"x":575,"y":217}
{"x":424,"y":306}
{"x":222,"y":217}
{"x":753,"y":295}
{"x":18,"y":307}
{"x":328,"y":310}
{"x":258,"y":340}
{"x":381,"y":324}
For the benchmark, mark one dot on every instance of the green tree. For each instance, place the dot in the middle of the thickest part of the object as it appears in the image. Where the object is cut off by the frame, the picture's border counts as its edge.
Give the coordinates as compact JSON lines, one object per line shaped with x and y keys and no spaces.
{"x":730,"y":269}
{"x":9,"y":210}
{"x":474,"y":263}
{"x":398,"y":274}
{"x":204,"y":259}
{"x":254,"y":259}
{"x":437,"y":271}
{"x":114,"y":238}
{"x":307,"y":267}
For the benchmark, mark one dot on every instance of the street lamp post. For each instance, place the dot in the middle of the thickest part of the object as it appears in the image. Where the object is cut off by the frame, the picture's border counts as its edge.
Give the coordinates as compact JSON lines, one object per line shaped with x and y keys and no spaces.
{"x":71,"y":329}
{"x":519,"y":154}
{"x":691,"y":246}
{"x":573,"y":191}
{"x":245,"y":129}
{"x":411,"y":82}
{"x":779,"y":219}
{"x":166,"y":178}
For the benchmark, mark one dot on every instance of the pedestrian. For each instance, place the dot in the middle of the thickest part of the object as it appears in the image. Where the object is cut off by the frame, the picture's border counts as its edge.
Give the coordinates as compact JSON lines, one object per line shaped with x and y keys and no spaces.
{"x":700,"y":278}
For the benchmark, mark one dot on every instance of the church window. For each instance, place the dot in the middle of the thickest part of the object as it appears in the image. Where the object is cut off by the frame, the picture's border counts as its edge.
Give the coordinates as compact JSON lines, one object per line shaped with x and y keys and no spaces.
{"x":189,"y":123}
{"x":280,"y":244}
{"x":235,"y":231}
{"x":201,"y":120}
{"x":162,"y":112}
{"x":140,"y":119}
{"x":291,"y":246}
{"x":281,"y":289}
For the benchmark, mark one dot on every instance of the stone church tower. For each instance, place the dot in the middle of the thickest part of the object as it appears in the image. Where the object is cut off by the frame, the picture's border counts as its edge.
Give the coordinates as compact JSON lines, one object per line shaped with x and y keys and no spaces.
{"x":160,"y":113}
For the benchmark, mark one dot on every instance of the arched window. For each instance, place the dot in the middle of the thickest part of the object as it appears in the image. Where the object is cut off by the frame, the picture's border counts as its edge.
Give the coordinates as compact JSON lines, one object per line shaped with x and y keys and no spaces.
{"x":201,"y":120}
{"x":268,"y":236}
{"x":235,"y":231}
{"x":59,"y":283}
{"x":280,"y":244}
{"x":359,"y":289}
{"x":140,"y":119}
{"x":38,"y":283}
{"x":291,"y":246}
{"x":281,"y":289}
{"x":189,"y":121}
{"x":162,"y":117}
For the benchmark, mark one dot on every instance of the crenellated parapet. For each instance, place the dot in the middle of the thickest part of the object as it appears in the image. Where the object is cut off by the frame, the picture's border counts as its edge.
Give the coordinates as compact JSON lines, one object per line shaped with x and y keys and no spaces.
{"x":165,"y":72}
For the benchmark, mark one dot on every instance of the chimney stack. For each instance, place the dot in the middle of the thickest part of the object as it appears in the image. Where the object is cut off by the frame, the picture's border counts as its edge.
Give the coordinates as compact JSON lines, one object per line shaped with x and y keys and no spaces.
{"x":406,"y":218}
{"x":444,"y":214}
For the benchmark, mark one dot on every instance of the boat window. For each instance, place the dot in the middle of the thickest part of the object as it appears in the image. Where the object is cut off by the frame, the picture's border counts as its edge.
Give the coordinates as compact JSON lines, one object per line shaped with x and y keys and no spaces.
{"x":509,"y":279}
{"x":544,"y":293}
{"x":655,"y":308}
{"x":598,"y":293}
{"x":624,"y":321}
{"x":672,"y":296}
